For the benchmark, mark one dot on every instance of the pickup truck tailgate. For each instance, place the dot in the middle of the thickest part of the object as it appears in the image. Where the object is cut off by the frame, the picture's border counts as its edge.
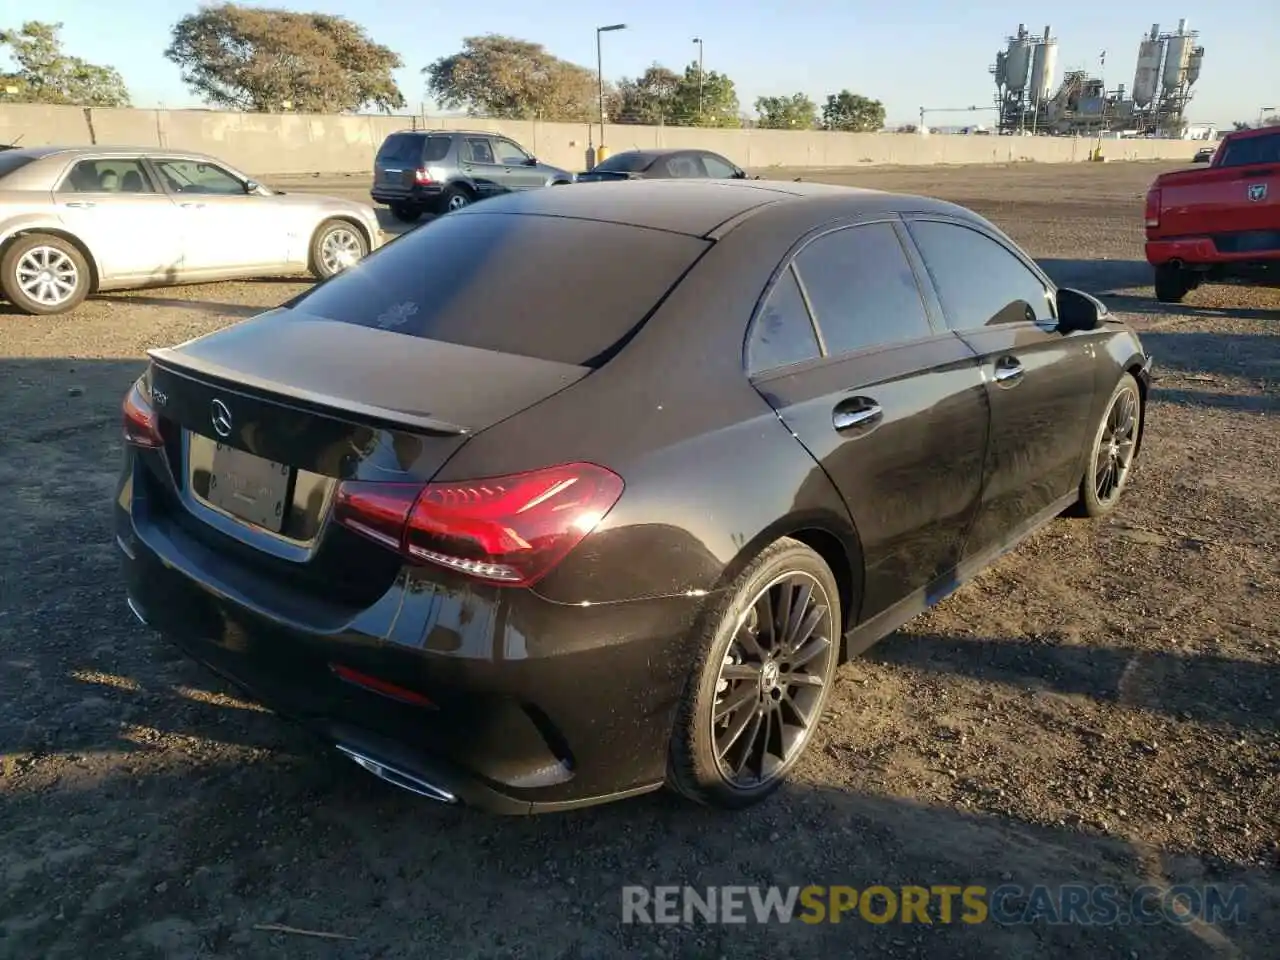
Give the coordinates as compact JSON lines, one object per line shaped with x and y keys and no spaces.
{"x":1220,"y":201}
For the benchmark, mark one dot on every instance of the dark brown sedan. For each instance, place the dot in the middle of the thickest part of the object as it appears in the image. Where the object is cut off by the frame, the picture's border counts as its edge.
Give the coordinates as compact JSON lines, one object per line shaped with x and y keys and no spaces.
{"x":533,"y":536}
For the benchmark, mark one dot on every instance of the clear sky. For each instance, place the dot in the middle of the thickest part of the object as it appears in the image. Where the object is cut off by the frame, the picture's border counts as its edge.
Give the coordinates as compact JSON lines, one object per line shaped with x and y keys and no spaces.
{"x":908,"y":53}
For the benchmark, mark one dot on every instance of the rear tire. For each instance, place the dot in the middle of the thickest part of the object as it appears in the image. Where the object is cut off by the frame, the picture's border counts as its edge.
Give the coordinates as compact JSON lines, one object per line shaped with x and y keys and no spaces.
{"x":758,"y":690}
{"x":336,"y":246}
{"x":43,"y":275}
{"x":406,"y":212}
{"x":1172,"y":283}
{"x":455,"y":198}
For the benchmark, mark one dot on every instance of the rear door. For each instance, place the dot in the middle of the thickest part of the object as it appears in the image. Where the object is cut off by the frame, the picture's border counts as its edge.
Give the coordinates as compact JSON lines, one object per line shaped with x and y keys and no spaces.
{"x":479,"y":162}
{"x":397,"y":162}
{"x":1039,"y":382}
{"x":132,"y":228}
{"x":891,"y":404}
{"x":1241,"y":194}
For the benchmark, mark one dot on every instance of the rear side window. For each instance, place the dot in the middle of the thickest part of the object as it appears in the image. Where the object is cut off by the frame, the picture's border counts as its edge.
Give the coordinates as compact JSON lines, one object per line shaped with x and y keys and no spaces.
{"x":1264,"y":148}
{"x":113,"y":175}
{"x":979,"y":282}
{"x":862,"y":289}
{"x":783,"y":333}
{"x":554,"y":288}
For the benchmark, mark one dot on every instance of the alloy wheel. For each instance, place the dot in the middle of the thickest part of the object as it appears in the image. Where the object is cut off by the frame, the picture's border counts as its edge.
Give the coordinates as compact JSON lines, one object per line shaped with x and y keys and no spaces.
{"x":769,"y":691}
{"x":47,"y":275}
{"x":339,"y":250}
{"x":458,"y":201}
{"x":1116,"y":446}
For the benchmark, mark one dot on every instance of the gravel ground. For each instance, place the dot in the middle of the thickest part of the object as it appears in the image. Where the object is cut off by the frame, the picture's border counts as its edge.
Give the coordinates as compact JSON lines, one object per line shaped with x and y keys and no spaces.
{"x":1101,"y":707}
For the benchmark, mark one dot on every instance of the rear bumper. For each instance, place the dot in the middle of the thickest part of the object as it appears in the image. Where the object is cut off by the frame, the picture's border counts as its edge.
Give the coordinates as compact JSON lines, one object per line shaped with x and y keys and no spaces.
{"x":419,"y":194}
{"x":1201,"y":251}
{"x":532,"y":706}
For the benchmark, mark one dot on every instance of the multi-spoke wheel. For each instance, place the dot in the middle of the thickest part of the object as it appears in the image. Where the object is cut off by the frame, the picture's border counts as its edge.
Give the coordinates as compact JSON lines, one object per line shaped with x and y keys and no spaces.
{"x":336,"y":246}
{"x":770,"y":659}
{"x":43,"y":274}
{"x":1115,"y":444}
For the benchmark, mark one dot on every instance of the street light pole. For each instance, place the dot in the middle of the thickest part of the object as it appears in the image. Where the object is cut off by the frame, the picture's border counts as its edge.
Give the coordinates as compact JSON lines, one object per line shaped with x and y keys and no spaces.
{"x":600,"y":74}
{"x":698,"y":41}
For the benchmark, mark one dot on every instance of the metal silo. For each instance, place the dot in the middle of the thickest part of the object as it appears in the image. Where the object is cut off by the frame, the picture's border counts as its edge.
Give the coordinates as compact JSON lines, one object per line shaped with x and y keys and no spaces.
{"x":1147,"y":77}
{"x":1044,"y":61}
{"x":1017,"y":61}
{"x":1177,"y":58}
{"x":1193,"y":65}
{"x":1000,"y":71}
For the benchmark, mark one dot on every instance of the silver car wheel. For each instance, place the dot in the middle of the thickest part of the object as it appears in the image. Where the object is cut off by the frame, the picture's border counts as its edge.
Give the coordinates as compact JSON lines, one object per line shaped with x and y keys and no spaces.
{"x":339,"y":250}
{"x":48,"y":276}
{"x":458,"y":201}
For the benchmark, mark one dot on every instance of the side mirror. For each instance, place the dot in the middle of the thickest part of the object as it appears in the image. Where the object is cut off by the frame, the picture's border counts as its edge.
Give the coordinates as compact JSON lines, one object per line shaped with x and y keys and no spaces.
{"x":531,"y":162}
{"x":252,"y":186}
{"x":1078,"y":310}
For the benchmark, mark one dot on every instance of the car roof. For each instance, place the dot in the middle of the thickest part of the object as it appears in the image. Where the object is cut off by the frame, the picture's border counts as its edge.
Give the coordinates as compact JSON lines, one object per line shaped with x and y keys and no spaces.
{"x":1250,"y":132}
{"x":39,"y":153}
{"x":697,"y":207}
{"x":447,"y":133}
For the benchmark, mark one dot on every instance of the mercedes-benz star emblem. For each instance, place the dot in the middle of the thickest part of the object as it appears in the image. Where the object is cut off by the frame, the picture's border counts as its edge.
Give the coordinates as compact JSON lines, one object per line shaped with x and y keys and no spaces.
{"x":221,"y":418}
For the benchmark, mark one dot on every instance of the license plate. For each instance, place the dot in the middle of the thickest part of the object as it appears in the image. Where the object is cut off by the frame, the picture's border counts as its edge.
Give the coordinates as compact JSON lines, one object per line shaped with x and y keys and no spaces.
{"x":249,"y":487}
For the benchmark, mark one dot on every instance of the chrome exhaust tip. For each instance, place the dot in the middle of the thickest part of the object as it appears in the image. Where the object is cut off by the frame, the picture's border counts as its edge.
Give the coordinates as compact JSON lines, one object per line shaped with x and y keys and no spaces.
{"x":398,"y":778}
{"x":136,"y":611}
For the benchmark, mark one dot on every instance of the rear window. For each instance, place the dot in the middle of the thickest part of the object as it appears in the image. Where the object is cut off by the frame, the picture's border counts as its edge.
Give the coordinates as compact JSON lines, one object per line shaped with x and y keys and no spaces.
{"x":554,"y":288}
{"x":413,"y":148}
{"x":1250,"y":150}
{"x":9,"y":162}
{"x":625,"y":162}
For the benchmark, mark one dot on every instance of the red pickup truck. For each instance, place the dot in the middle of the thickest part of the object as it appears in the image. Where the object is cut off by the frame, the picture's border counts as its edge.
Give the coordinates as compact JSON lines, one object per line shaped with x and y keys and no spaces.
{"x":1219,"y":222}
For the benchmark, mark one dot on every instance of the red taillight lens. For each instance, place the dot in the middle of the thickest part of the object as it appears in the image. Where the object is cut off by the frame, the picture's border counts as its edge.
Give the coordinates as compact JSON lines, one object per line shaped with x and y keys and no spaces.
{"x":421,"y":176}
{"x":141,"y":425}
{"x":508,"y":530}
{"x":1153,"y":207}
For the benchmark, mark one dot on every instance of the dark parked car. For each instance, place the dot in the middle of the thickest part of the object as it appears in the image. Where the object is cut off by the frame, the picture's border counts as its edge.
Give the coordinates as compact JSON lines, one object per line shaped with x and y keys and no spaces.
{"x":417,"y":171}
{"x":663,"y":165}
{"x":530,"y":544}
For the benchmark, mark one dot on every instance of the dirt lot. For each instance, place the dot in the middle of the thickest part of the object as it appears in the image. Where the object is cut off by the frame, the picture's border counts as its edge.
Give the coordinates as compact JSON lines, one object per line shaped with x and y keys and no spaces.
{"x":1103,"y":706}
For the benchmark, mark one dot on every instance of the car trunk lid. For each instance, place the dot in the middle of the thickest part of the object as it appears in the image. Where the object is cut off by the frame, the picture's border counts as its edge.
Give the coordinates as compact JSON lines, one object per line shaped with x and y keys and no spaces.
{"x":263,"y":419}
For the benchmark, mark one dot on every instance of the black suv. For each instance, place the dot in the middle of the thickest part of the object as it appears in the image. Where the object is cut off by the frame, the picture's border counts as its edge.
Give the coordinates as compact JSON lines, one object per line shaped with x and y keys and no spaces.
{"x":442,"y":170}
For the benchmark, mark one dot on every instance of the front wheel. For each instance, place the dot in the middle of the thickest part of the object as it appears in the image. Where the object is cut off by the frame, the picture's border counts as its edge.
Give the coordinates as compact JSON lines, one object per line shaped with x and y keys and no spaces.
{"x":42,"y":275}
{"x":762,"y":680}
{"x":336,"y":246}
{"x":1115,"y":445}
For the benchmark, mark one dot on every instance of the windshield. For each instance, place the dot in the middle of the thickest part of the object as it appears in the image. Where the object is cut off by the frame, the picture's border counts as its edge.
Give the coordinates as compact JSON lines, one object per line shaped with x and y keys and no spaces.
{"x":9,"y":162}
{"x":554,"y":288}
{"x":632,"y":162}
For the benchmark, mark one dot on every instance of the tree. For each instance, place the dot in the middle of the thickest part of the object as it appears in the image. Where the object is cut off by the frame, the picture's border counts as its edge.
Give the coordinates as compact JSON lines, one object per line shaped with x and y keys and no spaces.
{"x":649,"y":99}
{"x":796,"y":112}
{"x":264,"y":59}
{"x":852,"y":113}
{"x":512,"y":79}
{"x":47,"y":75}
{"x":705,"y":99}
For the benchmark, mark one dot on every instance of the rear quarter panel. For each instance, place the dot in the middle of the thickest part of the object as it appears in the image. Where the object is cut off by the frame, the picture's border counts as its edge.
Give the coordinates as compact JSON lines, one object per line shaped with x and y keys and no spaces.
{"x":711,"y":474}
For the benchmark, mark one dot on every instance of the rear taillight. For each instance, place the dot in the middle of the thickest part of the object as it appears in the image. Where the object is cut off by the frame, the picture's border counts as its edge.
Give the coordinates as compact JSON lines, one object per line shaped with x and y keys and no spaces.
{"x":1153,"y":207}
{"x":420,"y":176}
{"x":141,"y":425}
{"x":508,"y":530}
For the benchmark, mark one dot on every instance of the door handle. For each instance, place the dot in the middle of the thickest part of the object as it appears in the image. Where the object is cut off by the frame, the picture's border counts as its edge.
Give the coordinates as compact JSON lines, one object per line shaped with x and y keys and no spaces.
{"x":856,"y":412}
{"x":80,"y":203}
{"x":191,"y":205}
{"x":1008,"y":371}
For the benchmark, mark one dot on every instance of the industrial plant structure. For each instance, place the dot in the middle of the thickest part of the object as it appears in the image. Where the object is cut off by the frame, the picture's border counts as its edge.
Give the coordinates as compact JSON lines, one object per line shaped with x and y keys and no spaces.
{"x":1168,"y":66}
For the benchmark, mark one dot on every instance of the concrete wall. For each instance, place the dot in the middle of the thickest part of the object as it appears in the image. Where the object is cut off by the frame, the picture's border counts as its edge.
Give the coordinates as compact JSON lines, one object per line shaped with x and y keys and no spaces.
{"x":266,"y":144}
